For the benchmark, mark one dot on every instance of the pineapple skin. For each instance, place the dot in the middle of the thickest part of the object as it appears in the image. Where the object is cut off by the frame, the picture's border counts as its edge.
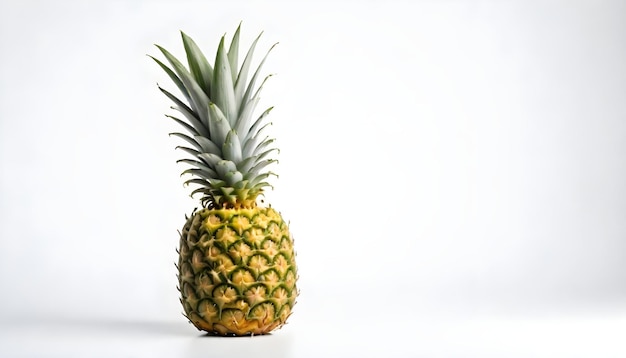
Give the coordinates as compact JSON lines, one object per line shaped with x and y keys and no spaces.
{"x":236,"y":271}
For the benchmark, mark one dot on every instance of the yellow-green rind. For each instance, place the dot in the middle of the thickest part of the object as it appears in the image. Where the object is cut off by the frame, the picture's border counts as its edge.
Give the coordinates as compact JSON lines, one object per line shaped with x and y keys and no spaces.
{"x":237,"y":271}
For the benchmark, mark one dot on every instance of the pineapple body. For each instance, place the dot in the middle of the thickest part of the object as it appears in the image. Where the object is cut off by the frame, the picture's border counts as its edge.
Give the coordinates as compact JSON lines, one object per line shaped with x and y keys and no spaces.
{"x":237,"y":271}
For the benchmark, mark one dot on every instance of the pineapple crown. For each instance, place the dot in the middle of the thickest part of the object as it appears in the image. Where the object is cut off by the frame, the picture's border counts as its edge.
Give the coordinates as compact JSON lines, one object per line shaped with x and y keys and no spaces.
{"x":229,"y":151}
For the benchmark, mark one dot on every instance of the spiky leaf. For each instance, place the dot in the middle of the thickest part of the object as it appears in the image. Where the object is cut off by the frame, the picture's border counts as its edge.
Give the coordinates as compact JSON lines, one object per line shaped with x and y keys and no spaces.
{"x":232,"y":147}
{"x":233,"y":54}
{"x":223,"y":94}
{"x":198,"y":64}
{"x":199,"y":100}
{"x":219,"y":125}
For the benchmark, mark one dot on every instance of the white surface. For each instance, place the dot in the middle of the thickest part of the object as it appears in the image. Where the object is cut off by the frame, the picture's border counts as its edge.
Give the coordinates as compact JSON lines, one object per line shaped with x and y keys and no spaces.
{"x":333,"y":334}
{"x":449,"y":156}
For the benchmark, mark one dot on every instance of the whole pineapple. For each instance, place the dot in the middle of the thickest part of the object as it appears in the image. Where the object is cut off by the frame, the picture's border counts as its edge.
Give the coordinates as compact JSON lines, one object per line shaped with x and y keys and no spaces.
{"x":237,"y":274}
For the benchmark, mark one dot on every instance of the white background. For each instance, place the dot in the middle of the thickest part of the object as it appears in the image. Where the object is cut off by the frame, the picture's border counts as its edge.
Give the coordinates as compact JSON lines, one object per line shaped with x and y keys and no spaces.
{"x":453,"y":172}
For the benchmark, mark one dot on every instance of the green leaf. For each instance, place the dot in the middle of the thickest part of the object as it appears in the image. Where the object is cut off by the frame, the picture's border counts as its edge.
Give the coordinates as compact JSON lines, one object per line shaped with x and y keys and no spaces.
{"x":242,"y":77}
{"x":204,"y":174}
{"x":240,"y":185}
{"x":256,"y":127}
{"x":222,"y":93}
{"x":250,"y":146}
{"x":185,"y":125}
{"x":254,"y":178}
{"x":198,"y":99}
{"x":246,"y":165}
{"x":233,"y":54}
{"x":193,"y":152}
{"x":219,"y":125}
{"x":225,"y":166}
{"x":172,"y":75}
{"x":203,"y":190}
{"x":250,"y":87}
{"x":243,"y":194}
{"x":210,"y":159}
{"x":233,"y":177}
{"x":232,"y":147}
{"x":263,"y":177}
{"x":188,"y":139}
{"x":188,"y":113}
{"x":258,"y":180}
{"x":197,"y":164}
{"x":257,"y":151}
{"x":260,"y":166}
{"x":209,"y":183}
{"x":243,"y":122}
{"x":262,"y":156}
{"x":201,"y":182}
{"x":207,"y":145}
{"x":198,"y":64}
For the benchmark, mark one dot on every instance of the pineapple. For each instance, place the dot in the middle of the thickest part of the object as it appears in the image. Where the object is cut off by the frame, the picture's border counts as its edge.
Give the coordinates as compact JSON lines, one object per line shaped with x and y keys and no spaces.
{"x":236,"y":268}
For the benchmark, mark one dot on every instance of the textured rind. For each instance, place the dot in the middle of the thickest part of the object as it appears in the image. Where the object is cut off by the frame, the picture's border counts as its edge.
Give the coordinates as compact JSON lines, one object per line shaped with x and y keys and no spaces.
{"x":237,"y":271}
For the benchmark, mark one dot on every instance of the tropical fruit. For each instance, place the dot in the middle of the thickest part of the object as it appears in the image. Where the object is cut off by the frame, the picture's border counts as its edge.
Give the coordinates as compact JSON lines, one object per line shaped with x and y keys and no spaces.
{"x":236,"y":269}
